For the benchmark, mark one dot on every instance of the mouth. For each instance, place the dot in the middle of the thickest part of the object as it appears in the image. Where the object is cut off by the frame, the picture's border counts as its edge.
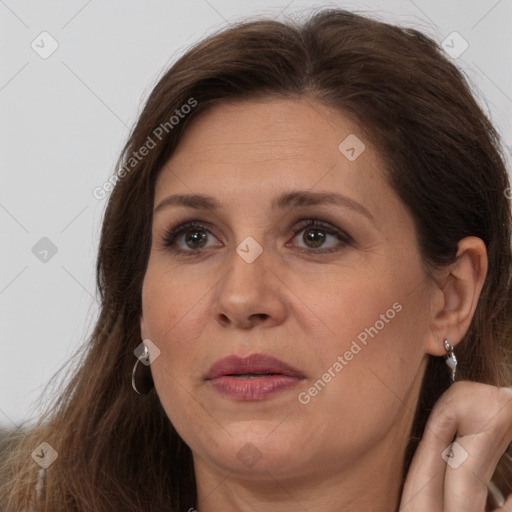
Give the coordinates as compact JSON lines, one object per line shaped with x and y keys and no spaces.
{"x":250,"y":375}
{"x":252,"y":378}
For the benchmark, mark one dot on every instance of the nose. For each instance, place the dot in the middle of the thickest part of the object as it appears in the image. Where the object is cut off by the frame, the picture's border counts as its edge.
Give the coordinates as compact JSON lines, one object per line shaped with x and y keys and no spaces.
{"x":249,"y":295}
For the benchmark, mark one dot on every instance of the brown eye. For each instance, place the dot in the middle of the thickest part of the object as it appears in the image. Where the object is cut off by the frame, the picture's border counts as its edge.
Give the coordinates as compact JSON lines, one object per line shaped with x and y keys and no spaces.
{"x":189,"y":238}
{"x":195,"y":238}
{"x":320,"y":237}
{"x":314,"y":237}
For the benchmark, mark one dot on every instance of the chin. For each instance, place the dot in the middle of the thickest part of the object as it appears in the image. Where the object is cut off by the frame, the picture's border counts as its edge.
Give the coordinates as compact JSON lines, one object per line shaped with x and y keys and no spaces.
{"x":255,"y":449}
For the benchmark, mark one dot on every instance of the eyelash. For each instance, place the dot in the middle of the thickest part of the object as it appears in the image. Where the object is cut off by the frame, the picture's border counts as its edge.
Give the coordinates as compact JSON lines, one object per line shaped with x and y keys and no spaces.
{"x":170,"y":236}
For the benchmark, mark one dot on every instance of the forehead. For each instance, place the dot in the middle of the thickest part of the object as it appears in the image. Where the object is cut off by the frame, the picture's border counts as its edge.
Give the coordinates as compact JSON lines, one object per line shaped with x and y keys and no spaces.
{"x":246,"y":155}
{"x":272,"y":139}
{"x":280,"y":127}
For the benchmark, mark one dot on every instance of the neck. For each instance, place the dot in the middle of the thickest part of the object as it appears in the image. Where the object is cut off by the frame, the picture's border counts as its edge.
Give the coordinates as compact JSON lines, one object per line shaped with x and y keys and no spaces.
{"x":373,"y":483}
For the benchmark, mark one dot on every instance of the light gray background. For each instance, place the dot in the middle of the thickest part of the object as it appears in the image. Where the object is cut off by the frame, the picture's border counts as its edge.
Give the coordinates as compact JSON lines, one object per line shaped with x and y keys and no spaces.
{"x":65,"y":118}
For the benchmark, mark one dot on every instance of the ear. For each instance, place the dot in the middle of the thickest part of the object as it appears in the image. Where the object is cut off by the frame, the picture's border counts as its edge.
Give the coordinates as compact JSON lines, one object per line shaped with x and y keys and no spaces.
{"x":456,"y":295}
{"x":143,"y":330}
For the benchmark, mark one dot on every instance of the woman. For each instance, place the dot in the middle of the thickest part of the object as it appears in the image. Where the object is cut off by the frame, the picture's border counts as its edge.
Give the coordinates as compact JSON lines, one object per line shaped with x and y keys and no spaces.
{"x":307,"y":223}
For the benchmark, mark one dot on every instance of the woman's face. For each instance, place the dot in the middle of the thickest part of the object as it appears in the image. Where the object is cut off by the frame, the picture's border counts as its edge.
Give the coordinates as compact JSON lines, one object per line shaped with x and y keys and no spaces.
{"x":292,"y":310}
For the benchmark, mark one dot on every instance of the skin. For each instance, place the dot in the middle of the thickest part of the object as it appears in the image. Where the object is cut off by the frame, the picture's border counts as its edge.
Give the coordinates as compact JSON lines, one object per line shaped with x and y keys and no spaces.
{"x":343,"y":450}
{"x":479,"y":416}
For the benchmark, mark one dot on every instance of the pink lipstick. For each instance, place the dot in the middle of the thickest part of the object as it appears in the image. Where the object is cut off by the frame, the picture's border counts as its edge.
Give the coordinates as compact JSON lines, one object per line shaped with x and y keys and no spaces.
{"x":252,"y":378}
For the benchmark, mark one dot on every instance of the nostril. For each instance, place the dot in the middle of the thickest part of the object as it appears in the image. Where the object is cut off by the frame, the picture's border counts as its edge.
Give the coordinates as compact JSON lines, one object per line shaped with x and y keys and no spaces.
{"x":259,"y":316}
{"x":223,"y":318}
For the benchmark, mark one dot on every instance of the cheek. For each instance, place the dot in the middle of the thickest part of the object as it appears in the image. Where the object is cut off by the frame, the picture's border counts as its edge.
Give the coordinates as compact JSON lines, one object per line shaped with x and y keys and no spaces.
{"x":171,"y":320}
{"x":171,"y":317}
{"x":170,"y":301}
{"x":370,"y":349}
{"x":348,"y":302}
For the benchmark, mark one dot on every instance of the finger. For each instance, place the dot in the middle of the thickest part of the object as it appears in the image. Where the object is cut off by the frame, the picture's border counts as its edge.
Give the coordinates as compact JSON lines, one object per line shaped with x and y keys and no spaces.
{"x":481,"y":442}
{"x":424,"y":485}
{"x":427,"y":485}
{"x":464,"y":489}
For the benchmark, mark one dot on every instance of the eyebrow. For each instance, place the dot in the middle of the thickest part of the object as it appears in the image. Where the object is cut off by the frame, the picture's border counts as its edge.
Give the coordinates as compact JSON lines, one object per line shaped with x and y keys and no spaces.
{"x":294,"y":199}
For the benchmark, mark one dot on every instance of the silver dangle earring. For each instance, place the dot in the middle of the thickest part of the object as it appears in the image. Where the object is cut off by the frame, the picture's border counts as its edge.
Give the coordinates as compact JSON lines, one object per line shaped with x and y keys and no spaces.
{"x":142,"y":380}
{"x":451,"y":360}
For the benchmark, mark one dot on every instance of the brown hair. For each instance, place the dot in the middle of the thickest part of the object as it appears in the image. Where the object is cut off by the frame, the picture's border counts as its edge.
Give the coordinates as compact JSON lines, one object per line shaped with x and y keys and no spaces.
{"x":119,"y":451}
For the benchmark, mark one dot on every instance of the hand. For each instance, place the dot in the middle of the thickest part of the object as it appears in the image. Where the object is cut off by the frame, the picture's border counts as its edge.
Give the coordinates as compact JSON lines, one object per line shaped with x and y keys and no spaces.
{"x":481,"y":416}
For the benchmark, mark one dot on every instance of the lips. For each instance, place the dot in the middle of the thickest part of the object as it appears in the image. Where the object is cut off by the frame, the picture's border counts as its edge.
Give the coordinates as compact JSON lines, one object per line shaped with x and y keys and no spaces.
{"x":256,"y":364}
{"x":252,"y":378}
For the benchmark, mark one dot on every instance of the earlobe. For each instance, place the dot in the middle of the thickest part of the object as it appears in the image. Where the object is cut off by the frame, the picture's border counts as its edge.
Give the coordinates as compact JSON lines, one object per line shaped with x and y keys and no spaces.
{"x":143,"y":330}
{"x":460,"y":290}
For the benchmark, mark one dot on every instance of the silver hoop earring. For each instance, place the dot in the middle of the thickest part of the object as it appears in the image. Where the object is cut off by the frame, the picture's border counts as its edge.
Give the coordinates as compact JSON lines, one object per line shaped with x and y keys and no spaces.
{"x":451,"y":360}
{"x":142,"y":380}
